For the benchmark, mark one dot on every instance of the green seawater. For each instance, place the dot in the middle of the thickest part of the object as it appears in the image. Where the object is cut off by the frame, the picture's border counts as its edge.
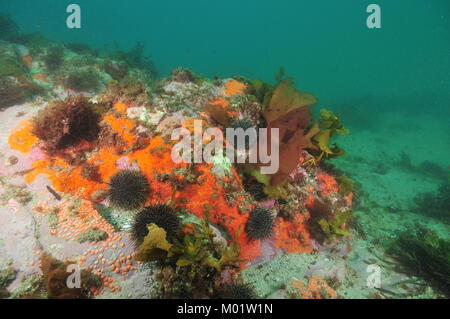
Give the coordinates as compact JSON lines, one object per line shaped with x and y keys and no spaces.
{"x":325,"y":45}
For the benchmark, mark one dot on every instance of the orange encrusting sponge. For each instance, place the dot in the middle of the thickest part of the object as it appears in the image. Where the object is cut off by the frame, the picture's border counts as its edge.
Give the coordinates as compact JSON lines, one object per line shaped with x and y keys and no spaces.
{"x":293,"y":236}
{"x":211,"y":196}
{"x":317,"y":288}
{"x":233,"y":87}
{"x":21,"y":139}
{"x":154,"y":159}
{"x":327,"y":184}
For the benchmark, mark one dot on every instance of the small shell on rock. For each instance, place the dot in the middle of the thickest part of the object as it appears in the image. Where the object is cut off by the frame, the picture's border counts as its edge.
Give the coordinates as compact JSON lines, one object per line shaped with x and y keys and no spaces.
{"x":12,"y":160}
{"x":219,"y":240}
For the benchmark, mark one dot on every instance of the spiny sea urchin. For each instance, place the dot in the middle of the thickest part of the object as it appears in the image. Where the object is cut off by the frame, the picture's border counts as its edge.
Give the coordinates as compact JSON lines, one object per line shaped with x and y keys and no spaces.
{"x":128,"y":189}
{"x":260,"y":224}
{"x":244,"y":124}
{"x":161,"y":215}
{"x":255,"y":188}
{"x":240,"y":291}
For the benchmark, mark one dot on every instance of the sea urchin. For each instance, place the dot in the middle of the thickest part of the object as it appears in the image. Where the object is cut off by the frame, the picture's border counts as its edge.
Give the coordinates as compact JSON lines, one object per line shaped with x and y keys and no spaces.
{"x":161,"y":215}
{"x":260,"y":224}
{"x":128,"y":189}
{"x":240,"y":291}
{"x":244,"y":124}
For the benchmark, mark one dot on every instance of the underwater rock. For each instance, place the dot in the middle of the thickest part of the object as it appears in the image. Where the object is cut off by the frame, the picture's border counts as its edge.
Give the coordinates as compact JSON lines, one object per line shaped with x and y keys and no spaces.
{"x":134,"y":120}
{"x":10,"y":94}
{"x":183,"y":75}
{"x":167,"y":125}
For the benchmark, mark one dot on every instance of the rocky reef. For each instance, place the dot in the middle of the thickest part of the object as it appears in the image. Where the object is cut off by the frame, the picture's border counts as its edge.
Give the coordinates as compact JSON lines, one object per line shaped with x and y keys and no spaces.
{"x":87,"y":166}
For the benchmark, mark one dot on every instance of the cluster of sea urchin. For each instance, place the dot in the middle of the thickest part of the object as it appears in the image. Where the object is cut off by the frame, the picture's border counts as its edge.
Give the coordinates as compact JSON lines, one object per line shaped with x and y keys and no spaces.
{"x":239,"y":291}
{"x":260,"y":224}
{"x":244,"y":124}
{"x":256,"y":189}
{"x":162,"y":216}
{"x":128,"y":190}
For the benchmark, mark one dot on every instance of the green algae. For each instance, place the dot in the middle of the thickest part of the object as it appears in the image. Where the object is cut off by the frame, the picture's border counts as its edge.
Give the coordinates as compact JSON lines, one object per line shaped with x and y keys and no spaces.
{"x":154,"y":246}
{"x":272,"y":191}
{"x":53,"y":219}
{"x":111,"y":217}
{"x":17,"y":192}
{"x":92,"y":235}
{"x":30,"y":287}
{"x":7,"y":274}
{"x":54,"y":58}
{"x":435,"y":204}
{"x":333,"y":226}
{"x":197,"y":250}
{"x":346,"y":184}
{"x":261,"y":90}
{"x":329,"y":124}
{"x":10,"y":67}
{"x":10,"y":94}
{"x":83,"y":81}
{"x":424,"y":254}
